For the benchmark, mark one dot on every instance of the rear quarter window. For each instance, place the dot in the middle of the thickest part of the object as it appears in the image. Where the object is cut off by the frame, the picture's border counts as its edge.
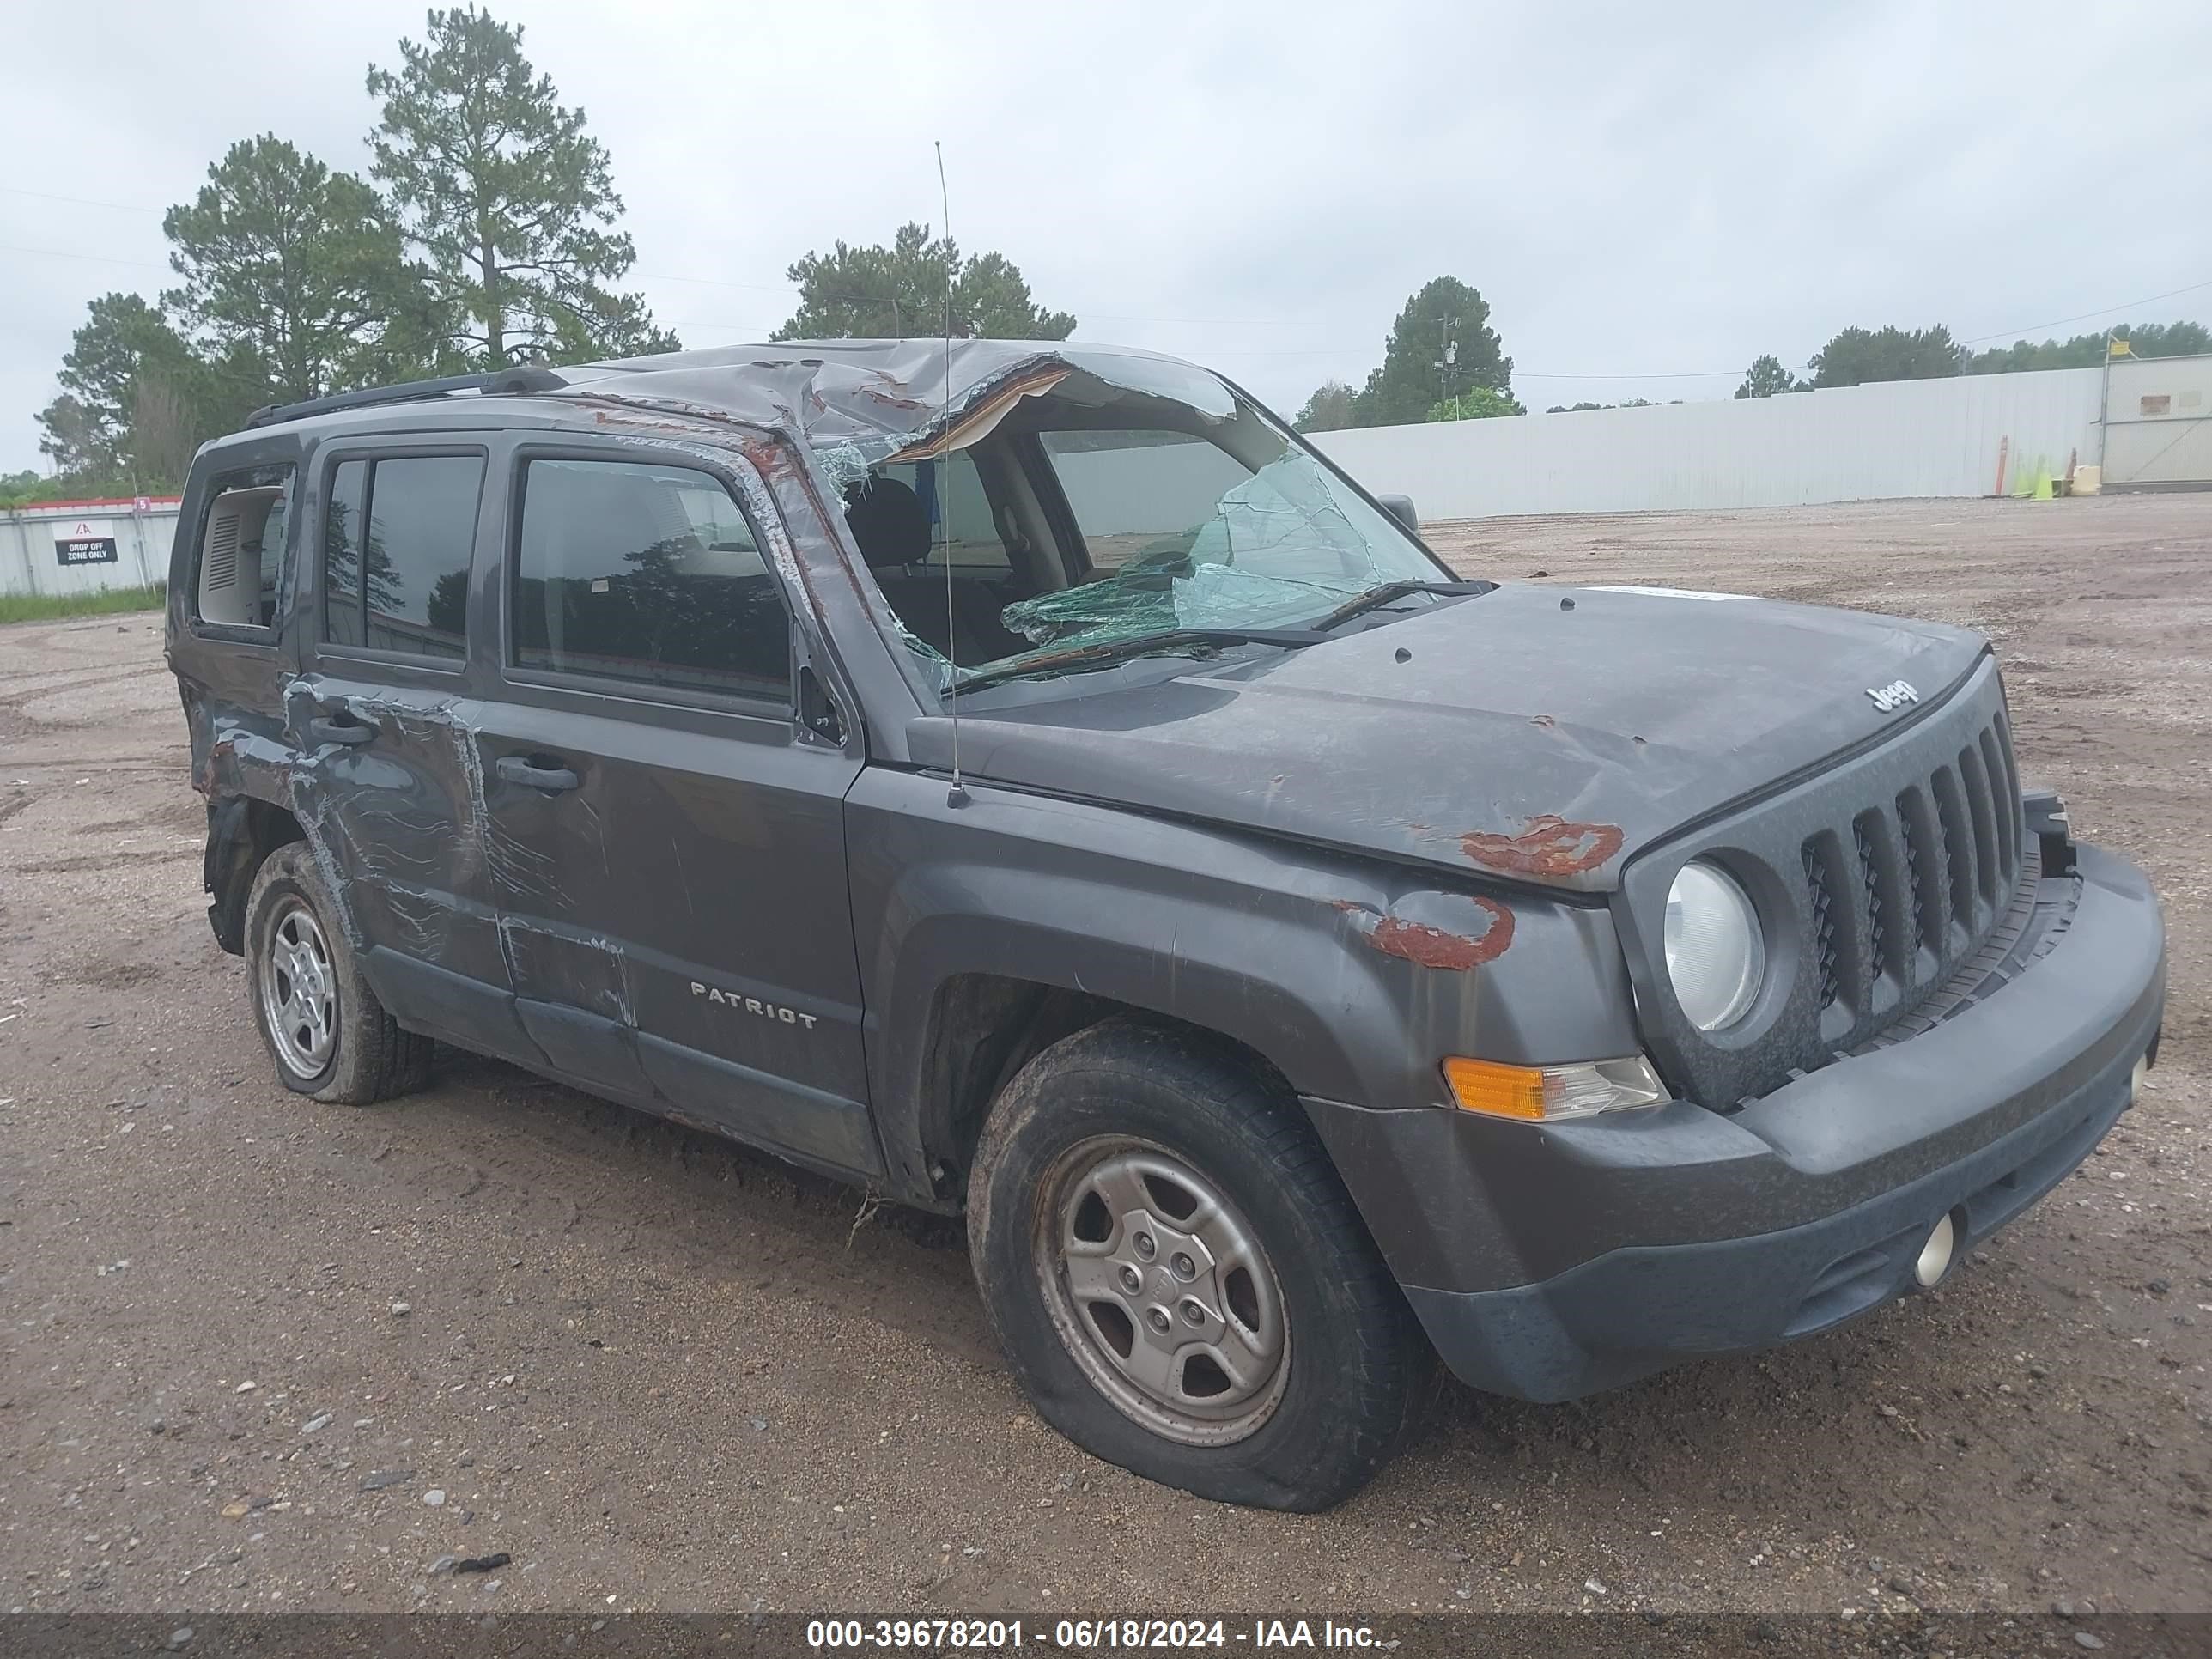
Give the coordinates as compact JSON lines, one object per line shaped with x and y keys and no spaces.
{"x":243,"y":557}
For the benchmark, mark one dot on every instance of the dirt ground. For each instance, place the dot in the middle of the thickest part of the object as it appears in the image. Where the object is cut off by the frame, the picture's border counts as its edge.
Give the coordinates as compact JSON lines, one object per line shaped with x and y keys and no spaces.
{"x":262,"y":1355}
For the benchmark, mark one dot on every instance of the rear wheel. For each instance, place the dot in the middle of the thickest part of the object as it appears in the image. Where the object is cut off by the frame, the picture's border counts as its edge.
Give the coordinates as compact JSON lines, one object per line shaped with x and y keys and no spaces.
{"x":1179,"y":1281}
{"x":328,"y":1033}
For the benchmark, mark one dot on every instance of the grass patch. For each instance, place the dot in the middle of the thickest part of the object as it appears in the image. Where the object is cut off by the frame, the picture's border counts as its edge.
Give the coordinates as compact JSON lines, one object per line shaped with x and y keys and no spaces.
{"x":98,"y":602}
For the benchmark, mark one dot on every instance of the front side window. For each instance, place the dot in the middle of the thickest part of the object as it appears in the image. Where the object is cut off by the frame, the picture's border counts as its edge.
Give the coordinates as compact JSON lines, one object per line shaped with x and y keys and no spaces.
{"x":629,"y":571}
{"x":396,"y":536}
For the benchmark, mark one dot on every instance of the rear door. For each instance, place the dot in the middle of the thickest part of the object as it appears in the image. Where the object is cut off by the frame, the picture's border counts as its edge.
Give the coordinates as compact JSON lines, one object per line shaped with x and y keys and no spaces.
{"x":386,"y":785}
{"x":666,"y":837}
{"x":232,"y":585}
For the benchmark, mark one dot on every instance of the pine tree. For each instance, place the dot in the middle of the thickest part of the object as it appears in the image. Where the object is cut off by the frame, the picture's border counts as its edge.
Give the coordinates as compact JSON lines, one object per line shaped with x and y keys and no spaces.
{"x":507,"y":201}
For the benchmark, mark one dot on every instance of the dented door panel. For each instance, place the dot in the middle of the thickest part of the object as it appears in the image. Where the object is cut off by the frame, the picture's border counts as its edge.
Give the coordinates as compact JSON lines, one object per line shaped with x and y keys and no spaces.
{"x":386,"y":787}
{"x":676,"y":921}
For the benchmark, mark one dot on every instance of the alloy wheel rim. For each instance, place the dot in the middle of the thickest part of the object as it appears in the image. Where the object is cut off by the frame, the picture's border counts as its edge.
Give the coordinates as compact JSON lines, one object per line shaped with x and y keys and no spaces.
{"x":1161,"y":1291}
{"x":300,"y":991}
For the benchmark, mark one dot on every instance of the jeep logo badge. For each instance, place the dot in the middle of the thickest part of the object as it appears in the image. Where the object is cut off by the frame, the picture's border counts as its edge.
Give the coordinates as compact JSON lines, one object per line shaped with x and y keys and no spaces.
{"x":1894,"y":697}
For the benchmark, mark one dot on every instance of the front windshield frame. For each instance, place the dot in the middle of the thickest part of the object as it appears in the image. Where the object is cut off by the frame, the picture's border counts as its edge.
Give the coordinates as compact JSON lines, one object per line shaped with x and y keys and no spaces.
{"x":1195,"y":593}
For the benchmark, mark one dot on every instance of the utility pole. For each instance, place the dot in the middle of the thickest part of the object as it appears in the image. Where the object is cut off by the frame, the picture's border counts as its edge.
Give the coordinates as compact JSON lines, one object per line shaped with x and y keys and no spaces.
{"x":1449,"y":357}
{"x":2104,"y":398}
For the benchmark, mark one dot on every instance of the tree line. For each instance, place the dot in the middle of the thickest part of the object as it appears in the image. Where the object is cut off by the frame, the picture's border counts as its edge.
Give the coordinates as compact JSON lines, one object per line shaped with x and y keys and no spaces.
{"x":1443,"y":361}
{"x":1859,"y":356}
{"x":486,"y":233}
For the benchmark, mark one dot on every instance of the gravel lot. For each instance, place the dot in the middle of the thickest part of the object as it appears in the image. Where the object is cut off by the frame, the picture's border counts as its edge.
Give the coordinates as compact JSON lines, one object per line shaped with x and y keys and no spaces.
{"x":263,"y":1355}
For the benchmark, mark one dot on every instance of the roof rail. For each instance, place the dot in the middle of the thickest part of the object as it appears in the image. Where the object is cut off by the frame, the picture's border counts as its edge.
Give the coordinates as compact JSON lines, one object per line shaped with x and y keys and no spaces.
{"x":505,"y":383}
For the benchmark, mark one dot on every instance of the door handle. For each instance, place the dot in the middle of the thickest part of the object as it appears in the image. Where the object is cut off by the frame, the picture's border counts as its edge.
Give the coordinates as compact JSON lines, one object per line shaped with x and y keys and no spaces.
{"x":342,"y":725}
{"x":517,"y":768}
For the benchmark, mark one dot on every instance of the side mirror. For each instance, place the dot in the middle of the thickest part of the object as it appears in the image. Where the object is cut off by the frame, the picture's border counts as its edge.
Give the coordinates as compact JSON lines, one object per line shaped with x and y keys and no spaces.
{"x":1401,"y":508}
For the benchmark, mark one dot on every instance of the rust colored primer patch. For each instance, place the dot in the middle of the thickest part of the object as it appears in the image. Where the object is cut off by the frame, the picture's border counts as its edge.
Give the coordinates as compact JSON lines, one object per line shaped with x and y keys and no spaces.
{"x":769,"y":459}
{"x":1434,"y":947}
{"x":1550,"y":846}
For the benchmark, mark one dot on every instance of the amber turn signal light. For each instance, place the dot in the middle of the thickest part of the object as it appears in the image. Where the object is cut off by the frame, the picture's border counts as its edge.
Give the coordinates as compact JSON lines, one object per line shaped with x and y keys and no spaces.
{"x":1544,"y":1094}
{"x":1484,"y":1085}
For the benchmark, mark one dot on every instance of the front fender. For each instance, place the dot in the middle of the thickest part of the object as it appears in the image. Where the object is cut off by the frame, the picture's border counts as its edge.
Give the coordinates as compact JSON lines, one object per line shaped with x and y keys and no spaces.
{"x":1352,"y":977}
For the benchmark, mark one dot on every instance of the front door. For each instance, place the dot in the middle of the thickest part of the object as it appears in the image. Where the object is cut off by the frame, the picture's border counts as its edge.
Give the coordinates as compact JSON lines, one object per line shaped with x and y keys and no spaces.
{"x":666,"y":840}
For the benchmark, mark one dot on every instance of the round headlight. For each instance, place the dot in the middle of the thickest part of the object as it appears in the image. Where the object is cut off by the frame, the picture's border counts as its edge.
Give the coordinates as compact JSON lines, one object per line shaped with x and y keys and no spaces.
{"x":1714,"y":954}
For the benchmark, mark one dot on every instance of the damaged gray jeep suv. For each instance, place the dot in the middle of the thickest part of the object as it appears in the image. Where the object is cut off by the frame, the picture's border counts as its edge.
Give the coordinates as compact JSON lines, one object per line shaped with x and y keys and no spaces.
{"x":1029,"y":782}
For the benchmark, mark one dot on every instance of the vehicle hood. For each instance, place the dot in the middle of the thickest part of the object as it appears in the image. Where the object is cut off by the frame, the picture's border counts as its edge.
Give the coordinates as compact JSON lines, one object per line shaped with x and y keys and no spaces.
{"x":1538,"y":733}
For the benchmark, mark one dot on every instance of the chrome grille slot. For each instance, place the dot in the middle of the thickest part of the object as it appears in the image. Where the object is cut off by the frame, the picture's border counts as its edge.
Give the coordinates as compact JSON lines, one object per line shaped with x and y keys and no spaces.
{"x":1824,"y":924}
{"x":1876,"y":838}
{"x":1922,"y":863}
{"x":1974,"y":779}
{"x":2000,"y":790}
{"x":1869,"y":886}
{"x":1958,"y":847}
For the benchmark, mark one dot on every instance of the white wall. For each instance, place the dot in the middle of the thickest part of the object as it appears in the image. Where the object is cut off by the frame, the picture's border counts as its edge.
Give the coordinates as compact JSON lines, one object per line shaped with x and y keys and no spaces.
{"x":2160,"y":421}
{"x":1853,"y":443}
{"x":28,"y":535}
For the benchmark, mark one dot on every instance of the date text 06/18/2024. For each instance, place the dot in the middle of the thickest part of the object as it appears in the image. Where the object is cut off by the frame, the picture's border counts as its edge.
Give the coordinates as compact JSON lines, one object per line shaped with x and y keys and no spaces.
{"x":1084,"y":1635}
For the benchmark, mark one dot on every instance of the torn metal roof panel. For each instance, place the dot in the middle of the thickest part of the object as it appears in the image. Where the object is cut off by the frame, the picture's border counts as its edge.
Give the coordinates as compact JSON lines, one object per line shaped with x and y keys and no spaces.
{"x":886,"y":395}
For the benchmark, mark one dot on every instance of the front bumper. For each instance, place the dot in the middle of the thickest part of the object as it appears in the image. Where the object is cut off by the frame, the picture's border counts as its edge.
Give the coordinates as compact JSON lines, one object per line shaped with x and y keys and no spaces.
{"x":1549,"y":1261}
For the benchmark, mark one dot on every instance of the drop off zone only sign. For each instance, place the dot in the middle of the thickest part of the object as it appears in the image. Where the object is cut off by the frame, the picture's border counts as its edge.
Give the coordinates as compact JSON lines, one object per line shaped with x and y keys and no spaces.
{"x":84,"y":541}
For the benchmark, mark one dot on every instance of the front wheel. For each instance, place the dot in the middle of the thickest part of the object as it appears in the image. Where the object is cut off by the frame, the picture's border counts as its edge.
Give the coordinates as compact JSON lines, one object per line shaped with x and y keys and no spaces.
{"x":1178,"y":1278}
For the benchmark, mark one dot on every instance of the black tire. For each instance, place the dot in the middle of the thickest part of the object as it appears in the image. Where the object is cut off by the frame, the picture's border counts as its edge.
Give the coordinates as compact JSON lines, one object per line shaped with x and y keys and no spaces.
{"x":1356,"y":1361}
{"x":369,"y":1057}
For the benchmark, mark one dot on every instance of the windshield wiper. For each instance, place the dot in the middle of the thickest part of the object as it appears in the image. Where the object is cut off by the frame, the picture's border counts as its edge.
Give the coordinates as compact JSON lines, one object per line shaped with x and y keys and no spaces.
{"x":1083,"y":656}
{"x":1313,"y":633}
{"x":1389,"y":592}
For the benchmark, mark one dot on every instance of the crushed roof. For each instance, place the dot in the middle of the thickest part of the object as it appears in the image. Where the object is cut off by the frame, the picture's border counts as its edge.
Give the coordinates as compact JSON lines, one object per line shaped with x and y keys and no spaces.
{"x":888,"y":395}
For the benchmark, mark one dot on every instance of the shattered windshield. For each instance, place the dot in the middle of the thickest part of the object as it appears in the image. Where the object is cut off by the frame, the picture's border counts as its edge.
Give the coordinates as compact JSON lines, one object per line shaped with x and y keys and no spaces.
{"x":1120,"y":516}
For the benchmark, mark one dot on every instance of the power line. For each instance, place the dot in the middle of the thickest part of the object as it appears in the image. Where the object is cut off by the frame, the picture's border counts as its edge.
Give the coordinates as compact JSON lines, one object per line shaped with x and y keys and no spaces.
{"x":1521,"y":373}
{"x":81,"y":201}
{"x":2103,"y":311}
{"x":97,"y":259}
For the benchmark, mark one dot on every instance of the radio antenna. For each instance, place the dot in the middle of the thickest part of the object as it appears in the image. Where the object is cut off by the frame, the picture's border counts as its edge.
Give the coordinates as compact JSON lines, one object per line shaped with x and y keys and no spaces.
{"x":957,"y":795}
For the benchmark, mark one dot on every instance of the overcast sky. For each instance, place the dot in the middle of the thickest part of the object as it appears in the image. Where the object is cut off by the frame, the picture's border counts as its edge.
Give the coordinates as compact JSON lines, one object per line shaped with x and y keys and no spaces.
{"x":1649,"y":197}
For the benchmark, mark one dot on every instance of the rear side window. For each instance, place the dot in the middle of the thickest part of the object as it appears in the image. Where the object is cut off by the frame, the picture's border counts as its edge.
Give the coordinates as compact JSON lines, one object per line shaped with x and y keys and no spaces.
{"x":242,"y":548}
{"x":343,"y":528}
{"x":650,"y":575}
{"x":397,"y":534}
